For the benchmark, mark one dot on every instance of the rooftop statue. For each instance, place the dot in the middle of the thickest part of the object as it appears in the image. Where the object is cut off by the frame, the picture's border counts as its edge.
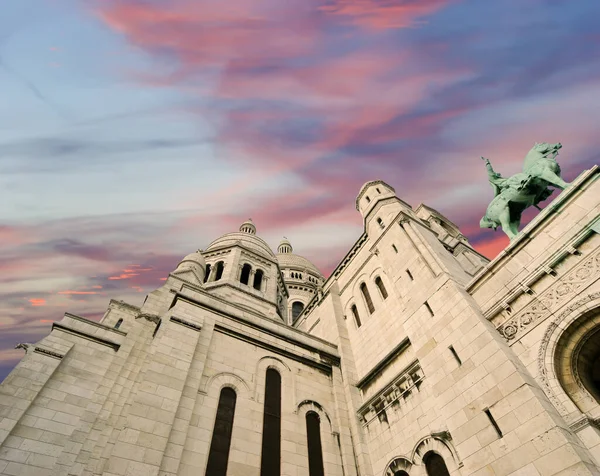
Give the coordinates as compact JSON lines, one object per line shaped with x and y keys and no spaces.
{"x":513,"y":195}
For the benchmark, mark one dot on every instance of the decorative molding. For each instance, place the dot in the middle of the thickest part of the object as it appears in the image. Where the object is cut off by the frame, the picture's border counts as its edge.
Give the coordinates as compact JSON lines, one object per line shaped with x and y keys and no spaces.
{"x":256,"y":257}
{"x":183,"y":322}
{"x":546,"y":341}
{"x":560,"y":292}
{"x":49,"y":353}
{"x":391,"y":394}
{"x":584,"y":422}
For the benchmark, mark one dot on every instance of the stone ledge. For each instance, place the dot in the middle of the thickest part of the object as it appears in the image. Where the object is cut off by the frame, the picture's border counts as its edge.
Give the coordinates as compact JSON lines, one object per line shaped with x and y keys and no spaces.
{"x":98,"y":340}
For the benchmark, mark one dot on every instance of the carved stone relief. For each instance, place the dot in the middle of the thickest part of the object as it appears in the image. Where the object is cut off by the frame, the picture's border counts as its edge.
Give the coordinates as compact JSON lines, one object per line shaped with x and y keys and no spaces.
{"x":564,"y":290}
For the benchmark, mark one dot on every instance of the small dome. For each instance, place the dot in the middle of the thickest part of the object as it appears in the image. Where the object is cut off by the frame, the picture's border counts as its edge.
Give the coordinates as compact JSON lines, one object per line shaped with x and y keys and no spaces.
{"x":285,"y":246}
{"x":248,"y":227}
{"x":195,"y":257}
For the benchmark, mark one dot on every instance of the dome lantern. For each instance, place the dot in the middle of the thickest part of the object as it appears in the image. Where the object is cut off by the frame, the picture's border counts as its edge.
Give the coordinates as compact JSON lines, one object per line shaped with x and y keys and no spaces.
{"x":285,"y":246}
{"x":248,"y":227}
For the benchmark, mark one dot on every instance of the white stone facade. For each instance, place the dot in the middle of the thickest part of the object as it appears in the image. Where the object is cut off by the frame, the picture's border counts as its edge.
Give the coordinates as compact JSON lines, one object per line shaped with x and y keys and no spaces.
{"x":415,"y":357}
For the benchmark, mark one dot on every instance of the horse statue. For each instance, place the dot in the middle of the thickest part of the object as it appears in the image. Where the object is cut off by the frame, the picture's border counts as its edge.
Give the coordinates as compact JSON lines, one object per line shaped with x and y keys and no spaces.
{"x":513,"y":195}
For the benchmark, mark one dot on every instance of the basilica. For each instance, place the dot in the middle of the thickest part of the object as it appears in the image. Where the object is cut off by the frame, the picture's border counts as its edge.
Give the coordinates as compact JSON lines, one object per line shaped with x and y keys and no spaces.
{"x":417,"y":356}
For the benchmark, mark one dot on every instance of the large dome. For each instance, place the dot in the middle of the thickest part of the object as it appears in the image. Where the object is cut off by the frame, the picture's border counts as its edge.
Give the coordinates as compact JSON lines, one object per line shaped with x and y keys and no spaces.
{"x":252,"y":242}
{"x":291,"y":260}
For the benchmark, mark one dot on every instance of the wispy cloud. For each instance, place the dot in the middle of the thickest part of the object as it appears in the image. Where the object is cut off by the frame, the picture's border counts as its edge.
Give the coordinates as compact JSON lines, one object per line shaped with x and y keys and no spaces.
{"x":214,"y":112}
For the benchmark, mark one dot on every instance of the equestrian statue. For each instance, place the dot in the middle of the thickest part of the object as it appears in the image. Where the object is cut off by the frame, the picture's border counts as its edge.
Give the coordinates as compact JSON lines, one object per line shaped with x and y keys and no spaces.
{"x":513,"y":195}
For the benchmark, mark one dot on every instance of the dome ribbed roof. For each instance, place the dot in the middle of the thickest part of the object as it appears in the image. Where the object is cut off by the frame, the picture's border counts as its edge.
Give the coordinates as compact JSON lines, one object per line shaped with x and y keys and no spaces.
{"x":248,"y":240}
{"x":291,"y":260}
{"x":196,"y":257}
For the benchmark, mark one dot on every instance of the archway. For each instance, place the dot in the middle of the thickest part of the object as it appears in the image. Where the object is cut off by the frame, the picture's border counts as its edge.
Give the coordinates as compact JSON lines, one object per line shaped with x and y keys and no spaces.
{"x":577,"y":361}
{"x":435,"y":464}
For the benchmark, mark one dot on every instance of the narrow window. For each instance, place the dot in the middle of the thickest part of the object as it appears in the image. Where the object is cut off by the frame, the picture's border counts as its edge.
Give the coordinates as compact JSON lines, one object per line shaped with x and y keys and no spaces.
{"x":380,"y":223}
{"x":221,"y":439}
{"x":381,"y":287}
{"x":245,"y":276}
{"x":258,"y":277}
{"x":367,"y":296}
{"x":493,"y":422}
{"x":315,"y":451}
{"x":455,"y":355}
{"x":118,"y":324}
{"x":156,"y":329}
{"x":410,"y":274}
{"x":219,"y":270}
{"x":207,"y":273}
{"x":368,"y":199}
{"x":271,"y":443}
{"x":435,"y":465}
{"x":356,"y":316}
{"x":428,"y":307}
{"x":378,"y":191}
{"x":297,"y":308}
{"x":395,"y":249}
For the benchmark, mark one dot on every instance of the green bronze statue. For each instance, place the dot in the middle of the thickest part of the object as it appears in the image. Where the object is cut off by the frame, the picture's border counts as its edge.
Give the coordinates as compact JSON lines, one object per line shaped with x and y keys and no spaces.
{"x":513,"y":195}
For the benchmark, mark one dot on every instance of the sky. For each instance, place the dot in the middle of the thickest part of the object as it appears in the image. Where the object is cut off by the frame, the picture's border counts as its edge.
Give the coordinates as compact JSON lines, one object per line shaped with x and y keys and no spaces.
{"x":133,"y":132}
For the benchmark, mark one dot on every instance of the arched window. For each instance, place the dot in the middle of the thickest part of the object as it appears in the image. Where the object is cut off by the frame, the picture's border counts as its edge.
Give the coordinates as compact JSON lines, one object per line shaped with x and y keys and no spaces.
{"x":270,"y":461}
{"x":381,"y":287}
{"x":380,"y":223}
{"x":365,"y":292}
{"x":207,"y":273}
{"x":219,"y":270}
{"x":218,"y":455}
{"x":315,"y":451}
{"x":401,"y":473}
{"x":297,"y":308}
{"x":435,"y":465}
{"x":245,"y":276}
{"x":355,"y":314}
{"x":258,"y":277}
{"x":118,"y":324}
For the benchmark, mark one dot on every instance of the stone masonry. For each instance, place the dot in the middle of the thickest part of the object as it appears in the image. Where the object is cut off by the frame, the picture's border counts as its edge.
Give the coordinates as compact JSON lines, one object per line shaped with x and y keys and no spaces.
{"x":416,"y":356}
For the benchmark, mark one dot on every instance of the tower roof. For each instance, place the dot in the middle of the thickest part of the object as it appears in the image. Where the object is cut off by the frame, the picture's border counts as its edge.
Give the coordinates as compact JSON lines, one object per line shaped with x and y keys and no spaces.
{"x":364,"y":188}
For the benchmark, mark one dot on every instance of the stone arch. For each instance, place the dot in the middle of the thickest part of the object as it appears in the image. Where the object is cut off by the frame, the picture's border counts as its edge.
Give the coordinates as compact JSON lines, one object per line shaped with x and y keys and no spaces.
{"x":439,"y":443}
{"x":398,"y":463}
{"x":306,"y":406}
{"x":572,"y":331}
{"x":288,"y":383}
{"x":217,"y":382}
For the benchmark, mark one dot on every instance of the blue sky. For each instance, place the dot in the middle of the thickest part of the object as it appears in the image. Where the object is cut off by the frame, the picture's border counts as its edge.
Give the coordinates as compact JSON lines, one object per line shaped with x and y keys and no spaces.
{"x":133,"y":132}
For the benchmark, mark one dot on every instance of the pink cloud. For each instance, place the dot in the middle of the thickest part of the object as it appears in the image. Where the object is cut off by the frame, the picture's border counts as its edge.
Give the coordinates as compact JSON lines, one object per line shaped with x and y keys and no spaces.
{"x":123,"y":276}
{"x":35,"y":302}
{"x":77,"y":292}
